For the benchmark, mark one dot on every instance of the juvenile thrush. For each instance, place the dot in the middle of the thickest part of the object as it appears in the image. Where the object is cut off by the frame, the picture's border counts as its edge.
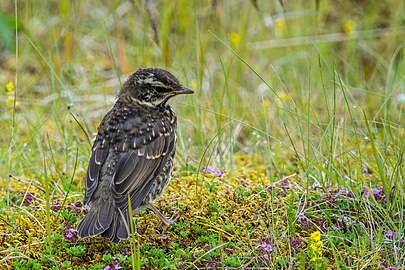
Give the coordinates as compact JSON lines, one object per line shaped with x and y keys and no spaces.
{"x":132,"y":156}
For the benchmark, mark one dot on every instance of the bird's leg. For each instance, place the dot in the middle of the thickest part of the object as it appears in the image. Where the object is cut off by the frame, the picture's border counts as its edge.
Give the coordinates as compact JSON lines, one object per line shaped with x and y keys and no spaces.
{"x":165,"y":221}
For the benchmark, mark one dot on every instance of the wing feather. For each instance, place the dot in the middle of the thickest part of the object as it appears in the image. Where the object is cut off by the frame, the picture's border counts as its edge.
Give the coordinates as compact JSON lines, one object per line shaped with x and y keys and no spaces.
{"x":97,"y":159}
{"x":136,"y":170}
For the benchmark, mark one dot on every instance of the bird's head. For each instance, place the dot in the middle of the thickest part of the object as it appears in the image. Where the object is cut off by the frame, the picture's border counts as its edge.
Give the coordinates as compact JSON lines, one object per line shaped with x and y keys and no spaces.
{"x":152,"y":87}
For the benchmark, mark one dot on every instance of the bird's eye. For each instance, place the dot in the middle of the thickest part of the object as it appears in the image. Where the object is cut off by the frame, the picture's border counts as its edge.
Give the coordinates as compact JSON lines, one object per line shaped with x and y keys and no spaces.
{"x":162,"y":89}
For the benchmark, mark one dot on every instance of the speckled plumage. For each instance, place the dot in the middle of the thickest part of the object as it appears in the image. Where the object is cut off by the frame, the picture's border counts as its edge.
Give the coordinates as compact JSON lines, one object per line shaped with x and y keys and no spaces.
{"x":132,"y":155}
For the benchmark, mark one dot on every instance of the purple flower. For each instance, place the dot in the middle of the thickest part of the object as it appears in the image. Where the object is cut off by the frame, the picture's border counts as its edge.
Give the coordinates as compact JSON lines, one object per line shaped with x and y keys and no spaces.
{"x":266,"y":257}
{"x":377,"y":191}
{"x":166,"y":240}
{"x":285,"y":184}
{"x":366,"y":192}
{"x":70,"y":234}
{"x":76,"y":208}
{"x":56,"y":207}
{"x":29,"y":196}
{"x":305,"y":224}
{"x":78,"y":204}
{"x":117,"y":266}
{"x":184,"y":242}
{"x":379,"y":194}
{"x":336,"y":227}
{"x":267,"y":247}
{"x":390,"y":235}
{"x":296,"y":242}
{"x":391,"y":268}
{"x":343,"y":191}
{"x":212,"y":170}
{"x":302,"y":216}
{"x":208,"y":169}
{"x":218,"y":173}
{"x":14,"y":200}
{"x":270,"y":187}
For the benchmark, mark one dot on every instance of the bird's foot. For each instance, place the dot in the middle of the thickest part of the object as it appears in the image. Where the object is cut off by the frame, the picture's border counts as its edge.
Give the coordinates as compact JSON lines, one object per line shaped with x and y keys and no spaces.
{"x":171,"y":220}
{"x":167,"y":222}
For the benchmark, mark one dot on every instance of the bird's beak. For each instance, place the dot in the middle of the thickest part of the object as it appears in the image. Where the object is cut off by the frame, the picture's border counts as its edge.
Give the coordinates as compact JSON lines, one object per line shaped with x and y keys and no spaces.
{"x":184,"y":90}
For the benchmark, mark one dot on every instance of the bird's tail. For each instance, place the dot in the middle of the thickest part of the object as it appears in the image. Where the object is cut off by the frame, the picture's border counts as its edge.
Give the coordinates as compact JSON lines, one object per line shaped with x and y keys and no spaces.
{"x":105,"y":219}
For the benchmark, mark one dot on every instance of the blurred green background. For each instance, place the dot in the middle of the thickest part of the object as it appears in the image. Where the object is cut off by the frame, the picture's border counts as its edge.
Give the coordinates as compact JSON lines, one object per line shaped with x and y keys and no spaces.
{"x":274,"y":67}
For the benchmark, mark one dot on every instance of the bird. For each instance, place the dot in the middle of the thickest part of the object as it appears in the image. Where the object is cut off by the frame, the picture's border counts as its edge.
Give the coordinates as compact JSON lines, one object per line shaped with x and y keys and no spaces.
{"x":132,"y":156}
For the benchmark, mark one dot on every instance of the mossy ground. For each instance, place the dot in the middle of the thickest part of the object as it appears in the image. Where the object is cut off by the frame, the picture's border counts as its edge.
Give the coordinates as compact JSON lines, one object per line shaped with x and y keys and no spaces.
{"x":241,"y":221}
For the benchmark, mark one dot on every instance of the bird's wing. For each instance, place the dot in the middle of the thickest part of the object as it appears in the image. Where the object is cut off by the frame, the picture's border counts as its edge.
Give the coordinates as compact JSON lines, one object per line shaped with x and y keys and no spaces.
{"x":137,"y":168}
{"x":98,"y":157}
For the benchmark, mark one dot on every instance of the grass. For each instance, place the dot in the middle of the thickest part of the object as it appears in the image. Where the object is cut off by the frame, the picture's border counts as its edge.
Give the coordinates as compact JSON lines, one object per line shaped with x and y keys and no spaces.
{"x":290,"y":153}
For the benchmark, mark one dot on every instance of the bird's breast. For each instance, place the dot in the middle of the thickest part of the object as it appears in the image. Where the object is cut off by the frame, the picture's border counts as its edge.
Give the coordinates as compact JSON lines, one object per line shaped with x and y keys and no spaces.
{"x":138,"y":128}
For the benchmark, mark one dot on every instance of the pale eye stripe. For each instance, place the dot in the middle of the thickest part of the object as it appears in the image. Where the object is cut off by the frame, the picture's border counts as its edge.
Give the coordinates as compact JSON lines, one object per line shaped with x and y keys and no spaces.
{"x":152,"y":82}
{"x":159,"y":84}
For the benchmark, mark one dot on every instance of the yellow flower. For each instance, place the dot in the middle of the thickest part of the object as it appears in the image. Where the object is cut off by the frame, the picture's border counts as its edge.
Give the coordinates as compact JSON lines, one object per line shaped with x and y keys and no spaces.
{"x":280,"y":27}
{"x":194,"y":84}
{"x":313,"y":247}
{"x":316,"y":236}
{"x":314,"y":259}
{"x":283,"y":96}
{"x":234,"y":38}
{"x":10,"y":86}
{"x":279,"y":24}
{"x":10,"y":101}
{"x":349,"y":26}
{"x":266,"y":102}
